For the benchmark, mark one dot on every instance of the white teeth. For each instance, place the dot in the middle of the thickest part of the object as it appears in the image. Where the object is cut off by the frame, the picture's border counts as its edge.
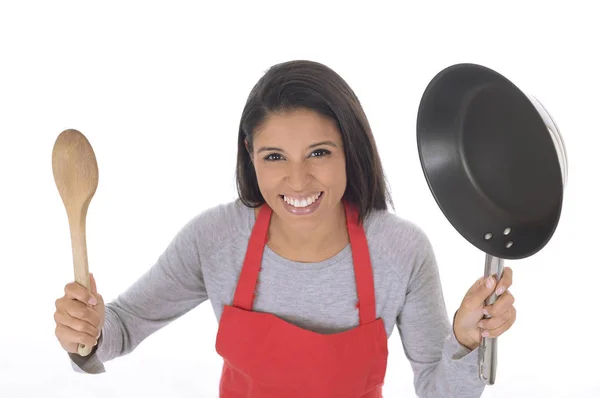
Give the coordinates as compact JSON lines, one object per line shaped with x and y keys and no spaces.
{"x":302,"y":202}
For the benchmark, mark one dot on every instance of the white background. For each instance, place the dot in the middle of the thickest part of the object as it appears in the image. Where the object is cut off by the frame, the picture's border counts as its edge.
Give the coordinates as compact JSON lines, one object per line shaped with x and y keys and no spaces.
{"x":159,"y":89}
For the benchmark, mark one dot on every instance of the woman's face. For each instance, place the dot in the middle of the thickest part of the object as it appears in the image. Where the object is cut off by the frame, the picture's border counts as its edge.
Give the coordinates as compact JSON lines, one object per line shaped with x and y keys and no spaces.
{"x":300,"y":165}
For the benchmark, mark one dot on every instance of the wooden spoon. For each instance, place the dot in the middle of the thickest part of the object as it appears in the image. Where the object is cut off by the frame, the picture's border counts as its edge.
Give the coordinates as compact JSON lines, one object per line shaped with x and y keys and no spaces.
{"x":76,"y":176}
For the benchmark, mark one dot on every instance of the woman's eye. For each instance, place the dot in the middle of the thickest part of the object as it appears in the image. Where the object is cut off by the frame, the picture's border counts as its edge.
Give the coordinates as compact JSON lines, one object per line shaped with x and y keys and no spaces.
{"x":320,"y":152}
{"x":272,"y":157}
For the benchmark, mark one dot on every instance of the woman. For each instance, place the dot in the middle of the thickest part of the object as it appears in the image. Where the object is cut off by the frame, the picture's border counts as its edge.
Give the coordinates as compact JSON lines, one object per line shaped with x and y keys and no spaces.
{"x":307,"y":271}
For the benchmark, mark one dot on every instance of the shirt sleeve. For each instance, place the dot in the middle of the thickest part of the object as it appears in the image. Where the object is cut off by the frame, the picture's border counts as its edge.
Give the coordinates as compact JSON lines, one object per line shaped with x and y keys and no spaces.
{"x":442,"y":366}
{"x":173,"y":286}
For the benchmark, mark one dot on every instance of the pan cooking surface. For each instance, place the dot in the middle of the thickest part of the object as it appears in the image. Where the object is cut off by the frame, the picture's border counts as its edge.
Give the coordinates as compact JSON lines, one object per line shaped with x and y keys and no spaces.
{"x":507,"y":151}
{"x":490,"y":161}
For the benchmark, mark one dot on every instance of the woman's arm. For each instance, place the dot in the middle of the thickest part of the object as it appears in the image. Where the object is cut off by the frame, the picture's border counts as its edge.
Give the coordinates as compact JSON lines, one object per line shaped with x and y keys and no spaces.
{"x":170,"y":288}
{"x":442,"y":367}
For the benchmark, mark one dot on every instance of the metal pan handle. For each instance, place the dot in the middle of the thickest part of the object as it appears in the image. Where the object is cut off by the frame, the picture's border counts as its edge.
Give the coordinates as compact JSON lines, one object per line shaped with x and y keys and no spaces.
{"x":488,"y":347}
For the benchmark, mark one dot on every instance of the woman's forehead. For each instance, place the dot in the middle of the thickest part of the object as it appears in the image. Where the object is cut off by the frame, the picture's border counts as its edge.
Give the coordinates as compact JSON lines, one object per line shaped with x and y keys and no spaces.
{"x":298,"y":127}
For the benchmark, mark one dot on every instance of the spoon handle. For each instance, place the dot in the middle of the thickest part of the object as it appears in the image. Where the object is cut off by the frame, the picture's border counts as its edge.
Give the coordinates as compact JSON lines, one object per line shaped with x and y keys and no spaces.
{"x":80,"y":260}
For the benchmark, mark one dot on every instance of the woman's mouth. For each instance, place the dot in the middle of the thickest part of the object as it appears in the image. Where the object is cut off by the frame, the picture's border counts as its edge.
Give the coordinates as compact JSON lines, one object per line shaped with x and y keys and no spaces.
{"x":302,"y":204}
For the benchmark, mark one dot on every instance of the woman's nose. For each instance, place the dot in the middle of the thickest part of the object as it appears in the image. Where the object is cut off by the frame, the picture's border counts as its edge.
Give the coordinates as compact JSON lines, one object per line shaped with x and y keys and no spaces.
{"x":298,"y":176}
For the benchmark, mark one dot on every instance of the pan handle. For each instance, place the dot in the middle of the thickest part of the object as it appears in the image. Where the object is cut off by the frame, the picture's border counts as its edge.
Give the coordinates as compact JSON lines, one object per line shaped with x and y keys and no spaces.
{"x":488,"y":347}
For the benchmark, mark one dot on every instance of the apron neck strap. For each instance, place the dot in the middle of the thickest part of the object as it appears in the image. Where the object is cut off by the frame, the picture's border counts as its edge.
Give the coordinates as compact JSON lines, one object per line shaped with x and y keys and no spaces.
{"x":363,"y":272}
{"x":246,"y":287}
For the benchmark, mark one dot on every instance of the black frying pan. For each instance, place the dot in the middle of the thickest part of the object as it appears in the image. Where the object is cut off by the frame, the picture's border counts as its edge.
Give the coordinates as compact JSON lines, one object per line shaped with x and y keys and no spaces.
{"x":496,"y":165}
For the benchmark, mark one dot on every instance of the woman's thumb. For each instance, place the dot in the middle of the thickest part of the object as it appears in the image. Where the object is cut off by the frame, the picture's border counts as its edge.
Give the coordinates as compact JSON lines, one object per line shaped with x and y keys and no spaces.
{"x":93,"y":288}
{"x":485,"y":289}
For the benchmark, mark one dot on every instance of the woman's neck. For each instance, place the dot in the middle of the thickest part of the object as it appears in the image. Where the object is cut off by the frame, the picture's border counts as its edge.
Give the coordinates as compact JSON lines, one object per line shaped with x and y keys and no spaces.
{"x":309,"y":242}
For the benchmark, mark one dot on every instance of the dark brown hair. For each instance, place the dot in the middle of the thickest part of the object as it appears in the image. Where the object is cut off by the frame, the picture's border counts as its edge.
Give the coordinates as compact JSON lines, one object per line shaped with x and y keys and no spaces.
{"x":310,"y":85}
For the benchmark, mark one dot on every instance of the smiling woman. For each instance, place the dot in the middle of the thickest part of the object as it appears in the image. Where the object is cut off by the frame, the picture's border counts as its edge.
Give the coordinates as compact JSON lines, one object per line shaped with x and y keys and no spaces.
{"x":303,"y":171}
{"x":300,"y":167}
{"x":305,"y":114}
{"x":307,"y":271}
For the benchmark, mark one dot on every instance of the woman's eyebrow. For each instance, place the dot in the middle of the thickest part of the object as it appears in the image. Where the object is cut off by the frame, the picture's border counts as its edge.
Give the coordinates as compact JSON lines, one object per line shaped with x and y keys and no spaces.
{"x":321,"y":143}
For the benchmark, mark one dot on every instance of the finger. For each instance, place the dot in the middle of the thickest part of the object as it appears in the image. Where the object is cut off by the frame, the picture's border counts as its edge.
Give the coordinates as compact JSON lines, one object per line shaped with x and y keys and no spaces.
{"x":65,"y":333}
{"x":475,"y":285}
{"x":505,"y":281}
{"x":502,"y":304}
{"x":479,"y":293}
{"x":496,"y":321}
{"x":78,"y":325}
{"x":93,"y":288}
{"x":81,"y":311}
{"x":502,"y":328}
{"x":76,"y":291}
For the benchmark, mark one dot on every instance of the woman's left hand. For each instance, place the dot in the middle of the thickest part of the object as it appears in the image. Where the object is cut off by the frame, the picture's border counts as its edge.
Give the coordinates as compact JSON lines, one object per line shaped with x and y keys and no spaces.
{"x":469,"y":322}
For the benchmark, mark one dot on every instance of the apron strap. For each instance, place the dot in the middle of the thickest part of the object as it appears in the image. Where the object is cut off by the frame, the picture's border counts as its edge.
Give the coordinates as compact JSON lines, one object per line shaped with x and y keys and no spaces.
{"x":246,"y":287}
{"x":363,"y":273}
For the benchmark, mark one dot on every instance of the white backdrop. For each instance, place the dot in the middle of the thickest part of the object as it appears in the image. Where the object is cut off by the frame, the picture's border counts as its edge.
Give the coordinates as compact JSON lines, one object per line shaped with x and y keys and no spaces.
{"x":159,"y":89}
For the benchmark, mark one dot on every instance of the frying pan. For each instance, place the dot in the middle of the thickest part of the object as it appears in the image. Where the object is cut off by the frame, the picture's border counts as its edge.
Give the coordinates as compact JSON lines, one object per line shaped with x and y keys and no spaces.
{"x":496,"y":165}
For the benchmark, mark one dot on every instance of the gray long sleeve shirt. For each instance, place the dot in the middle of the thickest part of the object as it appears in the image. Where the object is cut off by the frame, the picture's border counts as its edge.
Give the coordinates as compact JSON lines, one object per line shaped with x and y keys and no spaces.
{"x":203,"y":262}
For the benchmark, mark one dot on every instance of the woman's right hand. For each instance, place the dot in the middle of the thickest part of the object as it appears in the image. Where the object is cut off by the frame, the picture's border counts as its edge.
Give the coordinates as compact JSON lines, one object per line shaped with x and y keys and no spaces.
{"x":79,"y":316}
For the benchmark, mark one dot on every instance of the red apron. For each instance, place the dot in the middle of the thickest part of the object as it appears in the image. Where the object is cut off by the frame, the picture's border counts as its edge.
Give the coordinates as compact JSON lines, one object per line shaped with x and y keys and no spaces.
{"x":267,"y":357}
